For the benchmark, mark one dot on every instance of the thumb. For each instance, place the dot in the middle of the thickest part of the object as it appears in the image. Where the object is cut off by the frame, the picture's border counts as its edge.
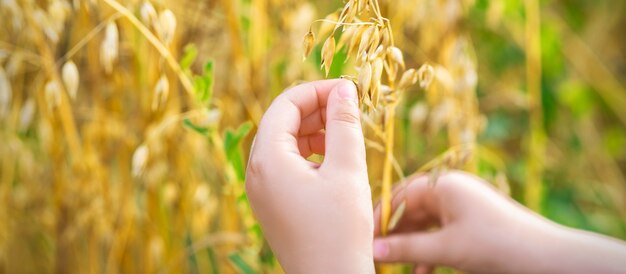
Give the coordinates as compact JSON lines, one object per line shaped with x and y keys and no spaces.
{"x":419,"y":248}
{"x":345,"y":147}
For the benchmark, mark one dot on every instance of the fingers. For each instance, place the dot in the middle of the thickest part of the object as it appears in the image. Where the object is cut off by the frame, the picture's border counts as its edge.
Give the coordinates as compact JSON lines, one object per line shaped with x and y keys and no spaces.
{"x":314,"y":122}
{"x":311,"y":144}
{"x":421,"y":208}
{"x":345,"y":147}
{"x":279,"y":129}
{"x":427,"y":248}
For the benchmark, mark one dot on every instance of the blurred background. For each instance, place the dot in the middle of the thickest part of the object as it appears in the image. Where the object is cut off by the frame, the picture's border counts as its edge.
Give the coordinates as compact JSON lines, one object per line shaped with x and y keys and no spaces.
{"x":125,"y":125}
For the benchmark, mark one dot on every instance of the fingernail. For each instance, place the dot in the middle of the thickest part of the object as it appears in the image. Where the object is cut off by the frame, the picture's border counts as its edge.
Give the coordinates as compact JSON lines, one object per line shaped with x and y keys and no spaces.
{"x":346,"y":91}
{"x":381,"y":249}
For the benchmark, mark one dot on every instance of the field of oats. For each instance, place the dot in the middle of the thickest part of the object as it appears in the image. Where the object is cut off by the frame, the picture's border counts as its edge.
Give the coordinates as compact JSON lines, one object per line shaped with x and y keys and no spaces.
{"x":125,"y":125}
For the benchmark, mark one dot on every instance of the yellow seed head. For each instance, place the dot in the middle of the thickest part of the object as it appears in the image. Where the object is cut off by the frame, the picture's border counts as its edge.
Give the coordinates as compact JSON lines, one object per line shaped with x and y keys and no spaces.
{"x":161,"y":92}
{"x":348,"y":13}
{"x":6,"y":93}
{"x":110,"y":47}
{"x":386,"y":36}
{"x":328,"y":53}
{"x":148,"y":13}
{"x":307,"y":44}
{"x":57,"y":13}
{"x":202,"y":194}
{"x":374,"y":41}
{"x":45,"y":23}
{"x":71,"y":78}
{"x":365,"y":42}
{"x":426,"y":74}
{"x":53,"y":94}
{"x":167,"y":22}
{"x":377,"y":72}
{"x":356,"y":39}
{"x":365,"y":80}
{"x":140,"y":160}
{"x":408,"y":79}
{"x":208,"y":118}
{"x":395,"y":55}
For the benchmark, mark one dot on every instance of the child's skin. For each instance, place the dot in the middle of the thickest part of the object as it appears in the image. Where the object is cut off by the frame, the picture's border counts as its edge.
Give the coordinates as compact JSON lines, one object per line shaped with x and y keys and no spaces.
{"x":318,"y":218}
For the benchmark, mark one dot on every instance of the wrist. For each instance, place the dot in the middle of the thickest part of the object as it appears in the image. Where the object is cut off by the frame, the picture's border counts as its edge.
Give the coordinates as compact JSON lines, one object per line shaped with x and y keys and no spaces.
{"x":537,"y":242}
{"x":576,"y":251}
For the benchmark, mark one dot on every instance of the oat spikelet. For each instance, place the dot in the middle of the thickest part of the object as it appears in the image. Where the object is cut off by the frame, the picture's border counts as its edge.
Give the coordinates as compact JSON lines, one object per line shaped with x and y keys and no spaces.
{"x":52,"y":91}
{"x":161,"y":92}
{"x":45,"y":23}
{"x":140,"y":160}
{"x":71,"y":78}
{"x":408,"y":79}
{"x":426,"y":74}
{"x":148,"y":13}
{"x":396,"y":56}
{"x":328,"y":53}
{"x":207,"y":118}
{"x":308,"y":43}
{"x":6,"y":93}
{"x":397,"y":216}
{"x":58,"y":12}
{"x":109,"y":49}
{"x":377,"y":72}
{"x":167,"y":21}
{"x":365,"y":79}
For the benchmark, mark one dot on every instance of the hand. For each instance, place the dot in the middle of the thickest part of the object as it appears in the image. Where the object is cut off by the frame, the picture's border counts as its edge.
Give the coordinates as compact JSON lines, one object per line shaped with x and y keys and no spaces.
{"x":316,"y":218}
{"x":480,"y":230}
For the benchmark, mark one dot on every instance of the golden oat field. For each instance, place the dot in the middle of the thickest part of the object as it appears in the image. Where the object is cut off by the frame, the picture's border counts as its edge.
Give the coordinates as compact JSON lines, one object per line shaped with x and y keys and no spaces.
{"x":125,"y":126}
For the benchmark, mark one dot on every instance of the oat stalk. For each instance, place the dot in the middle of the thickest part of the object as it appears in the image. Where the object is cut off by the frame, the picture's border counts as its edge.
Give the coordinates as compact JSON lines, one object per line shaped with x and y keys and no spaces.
{"x":537,"y":134}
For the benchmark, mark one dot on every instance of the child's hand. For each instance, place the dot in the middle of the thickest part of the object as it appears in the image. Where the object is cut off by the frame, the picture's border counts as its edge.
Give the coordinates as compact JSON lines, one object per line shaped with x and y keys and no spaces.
{"x":483,"y":231}
{"x":317,"y":219}
{"x":480,"y":229}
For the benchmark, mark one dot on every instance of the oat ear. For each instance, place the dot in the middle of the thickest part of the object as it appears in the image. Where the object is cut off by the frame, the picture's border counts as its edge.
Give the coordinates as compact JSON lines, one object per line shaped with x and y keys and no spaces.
{"x":308,"y":43}
{"x":328,"y":53}
{"x":408,"y":79}
{"x":426,"y":74}
{"x":377,"y":73}
{"x":365,"y":79}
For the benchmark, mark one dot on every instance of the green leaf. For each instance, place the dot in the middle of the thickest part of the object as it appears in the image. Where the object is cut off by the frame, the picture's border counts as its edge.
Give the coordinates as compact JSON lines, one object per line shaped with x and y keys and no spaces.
{"x":241,"y":264}
{"x":190,"y":54}
{"x":189,"y":124}
{"x":232,"y":147}
{"x":203,"y":84}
